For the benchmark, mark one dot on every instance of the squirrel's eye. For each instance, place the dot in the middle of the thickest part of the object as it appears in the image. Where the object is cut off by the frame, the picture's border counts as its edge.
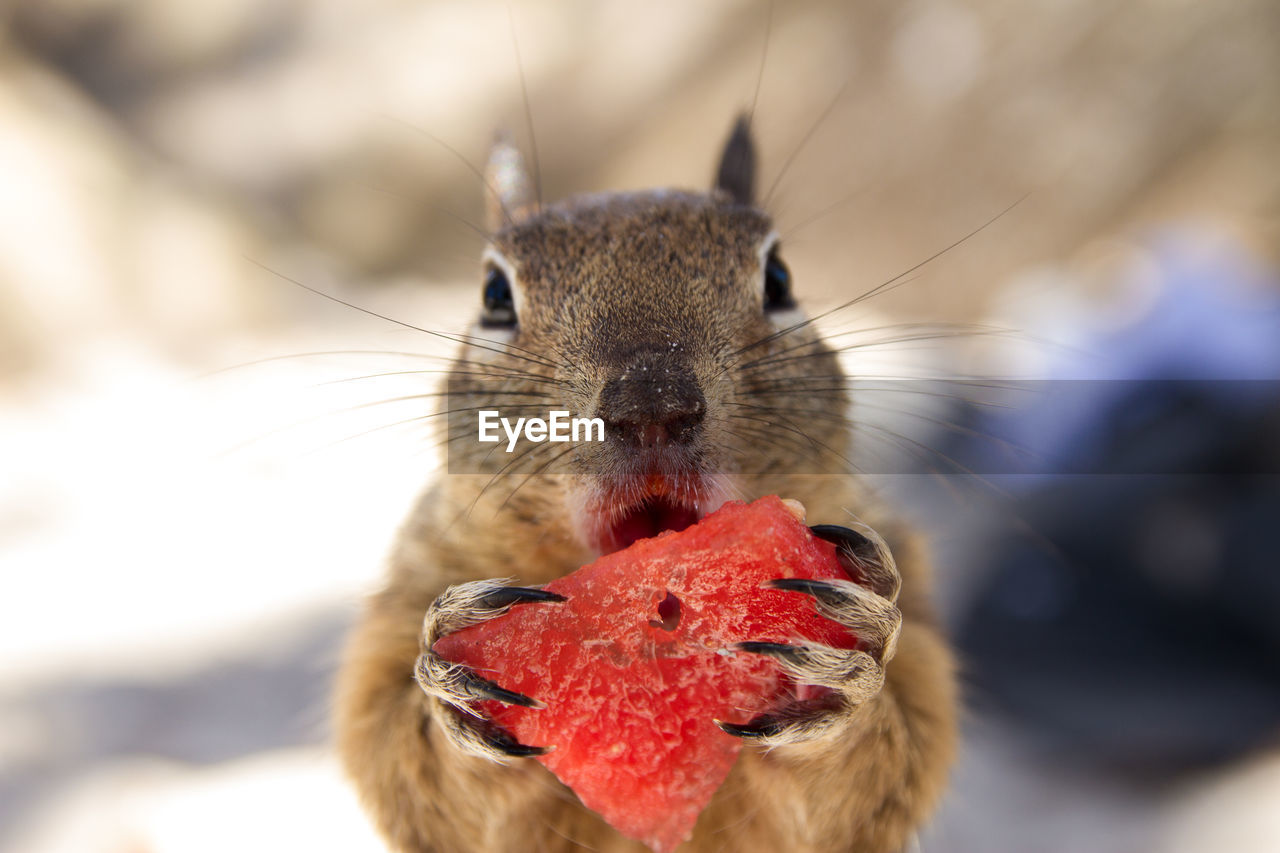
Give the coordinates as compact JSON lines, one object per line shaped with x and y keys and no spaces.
{"x":499,"y":305}
{"x":777,"y":284}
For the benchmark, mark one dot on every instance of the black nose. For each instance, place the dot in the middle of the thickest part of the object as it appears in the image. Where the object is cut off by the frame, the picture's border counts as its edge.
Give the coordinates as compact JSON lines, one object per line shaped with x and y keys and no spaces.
{"x":655,"y":401}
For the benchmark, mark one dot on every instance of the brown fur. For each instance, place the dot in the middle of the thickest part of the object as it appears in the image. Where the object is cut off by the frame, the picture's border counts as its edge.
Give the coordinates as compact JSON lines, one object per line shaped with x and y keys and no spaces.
{"x":673,"y":278}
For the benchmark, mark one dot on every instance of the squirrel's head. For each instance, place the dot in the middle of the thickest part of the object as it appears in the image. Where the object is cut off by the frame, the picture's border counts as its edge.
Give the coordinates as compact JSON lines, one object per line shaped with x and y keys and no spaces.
{"x":668,"y":315}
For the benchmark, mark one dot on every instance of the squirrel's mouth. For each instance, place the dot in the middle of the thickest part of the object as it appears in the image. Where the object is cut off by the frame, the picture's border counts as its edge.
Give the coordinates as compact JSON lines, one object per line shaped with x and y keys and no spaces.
{"x":650,"y":518}
{"x":610,"y":518}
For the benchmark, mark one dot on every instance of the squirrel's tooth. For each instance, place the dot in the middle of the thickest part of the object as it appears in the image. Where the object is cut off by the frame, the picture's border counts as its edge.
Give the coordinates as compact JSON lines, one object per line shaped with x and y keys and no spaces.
{"x":795,"y":508}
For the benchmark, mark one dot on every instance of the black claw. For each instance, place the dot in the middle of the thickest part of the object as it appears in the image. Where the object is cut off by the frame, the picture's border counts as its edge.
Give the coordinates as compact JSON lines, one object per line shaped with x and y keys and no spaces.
{"x":861,"y":558}
{"x":763,"y":726}
{"x":782,"y":651}
{"x":509,"y":595}
{"x":862,"y":548}
{"x":508,"y":745}
{"x":497,"y":738}
{"x":820,"y":590}
{"x":482,"y":688}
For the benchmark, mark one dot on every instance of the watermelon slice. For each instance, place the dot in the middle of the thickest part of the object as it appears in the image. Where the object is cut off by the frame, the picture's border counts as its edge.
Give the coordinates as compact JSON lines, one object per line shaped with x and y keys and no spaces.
{"x":638,"y":661}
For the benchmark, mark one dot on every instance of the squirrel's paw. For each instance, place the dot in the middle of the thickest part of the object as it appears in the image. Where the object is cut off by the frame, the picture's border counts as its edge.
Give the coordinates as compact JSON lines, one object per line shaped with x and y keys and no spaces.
{"x":454,"y":687}
{"x":868,"y":609}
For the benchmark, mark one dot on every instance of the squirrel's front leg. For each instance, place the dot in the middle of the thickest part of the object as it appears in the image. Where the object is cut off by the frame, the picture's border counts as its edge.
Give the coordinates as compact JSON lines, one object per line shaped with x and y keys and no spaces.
{"x":866,"y":760}
{"x":868,"y":609}
{"x":455,"y":688}
{"x":399,"y":744}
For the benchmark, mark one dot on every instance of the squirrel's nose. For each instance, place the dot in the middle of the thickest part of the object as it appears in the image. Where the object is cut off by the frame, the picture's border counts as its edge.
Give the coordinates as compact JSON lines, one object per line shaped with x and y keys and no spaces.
{"x":654,"y":402}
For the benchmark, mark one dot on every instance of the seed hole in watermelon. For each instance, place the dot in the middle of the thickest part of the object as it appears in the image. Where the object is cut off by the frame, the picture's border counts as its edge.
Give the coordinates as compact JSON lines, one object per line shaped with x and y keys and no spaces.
{"x":668,"y":613}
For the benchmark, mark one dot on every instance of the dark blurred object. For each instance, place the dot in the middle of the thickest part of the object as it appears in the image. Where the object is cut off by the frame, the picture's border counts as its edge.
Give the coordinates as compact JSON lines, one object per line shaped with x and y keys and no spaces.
{"x":1135,"y":618}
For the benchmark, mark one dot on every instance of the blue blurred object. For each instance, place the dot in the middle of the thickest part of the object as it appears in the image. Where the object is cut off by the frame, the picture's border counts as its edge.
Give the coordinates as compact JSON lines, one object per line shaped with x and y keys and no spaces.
{"x":1209,"y":339}
{"x":1136,"y":617}
{"x":1216,"y":316}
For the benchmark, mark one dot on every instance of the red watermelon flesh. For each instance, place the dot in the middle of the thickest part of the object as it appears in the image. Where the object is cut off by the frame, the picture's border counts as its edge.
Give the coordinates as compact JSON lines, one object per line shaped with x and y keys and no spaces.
{"x":638,"y":661}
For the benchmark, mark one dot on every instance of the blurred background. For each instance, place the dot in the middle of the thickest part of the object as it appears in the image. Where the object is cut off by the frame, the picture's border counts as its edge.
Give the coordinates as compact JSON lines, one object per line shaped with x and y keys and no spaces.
{"x":196,"y":491}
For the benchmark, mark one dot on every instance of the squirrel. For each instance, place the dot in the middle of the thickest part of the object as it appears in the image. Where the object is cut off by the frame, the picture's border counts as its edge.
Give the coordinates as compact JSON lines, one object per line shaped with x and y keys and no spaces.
{"x":669,"y":315}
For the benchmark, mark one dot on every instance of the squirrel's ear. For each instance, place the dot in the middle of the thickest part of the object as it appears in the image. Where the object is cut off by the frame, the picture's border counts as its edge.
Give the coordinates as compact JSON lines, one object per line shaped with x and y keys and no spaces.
{"x":737,"y":172}
{"x":509,"y":197}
